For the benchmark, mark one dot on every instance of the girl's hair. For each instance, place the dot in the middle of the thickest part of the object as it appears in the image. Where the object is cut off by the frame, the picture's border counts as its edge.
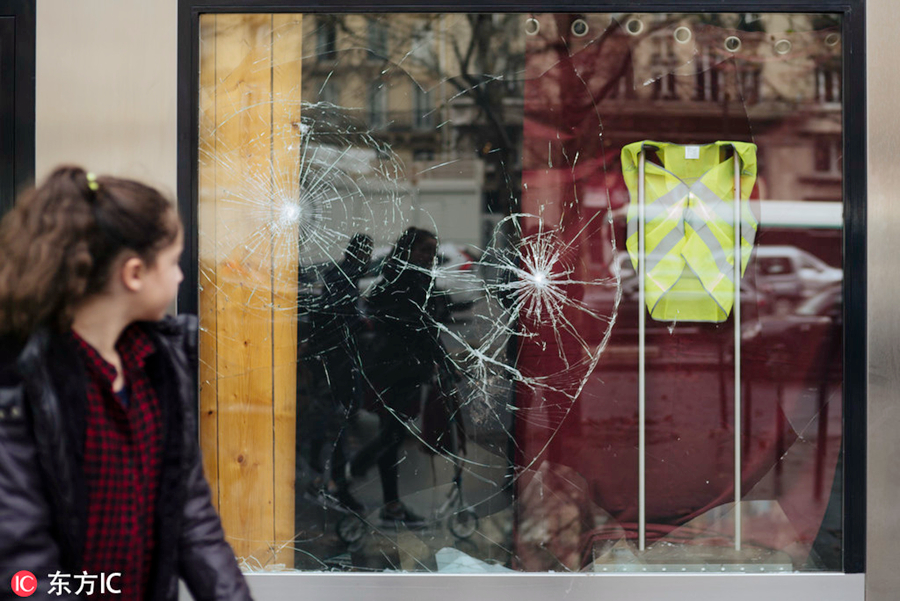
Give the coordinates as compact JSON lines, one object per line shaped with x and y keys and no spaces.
{"x":59,"y":242}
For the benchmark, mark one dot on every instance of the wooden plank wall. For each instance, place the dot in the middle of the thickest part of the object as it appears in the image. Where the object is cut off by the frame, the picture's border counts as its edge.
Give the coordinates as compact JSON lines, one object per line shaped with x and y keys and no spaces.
{"x":206,"y":177}
{"x":287,"y":54}
{"x":249,"y":64}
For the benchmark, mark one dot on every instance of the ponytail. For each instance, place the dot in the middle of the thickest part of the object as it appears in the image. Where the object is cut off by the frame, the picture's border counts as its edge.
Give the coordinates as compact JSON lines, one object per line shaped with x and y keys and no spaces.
{"x":58,"y":244}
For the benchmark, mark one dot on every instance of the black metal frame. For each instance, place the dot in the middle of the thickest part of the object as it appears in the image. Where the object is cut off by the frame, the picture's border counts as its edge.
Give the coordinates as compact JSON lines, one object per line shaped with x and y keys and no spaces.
{"x":854,"y":181}
{"x":17,"y":65}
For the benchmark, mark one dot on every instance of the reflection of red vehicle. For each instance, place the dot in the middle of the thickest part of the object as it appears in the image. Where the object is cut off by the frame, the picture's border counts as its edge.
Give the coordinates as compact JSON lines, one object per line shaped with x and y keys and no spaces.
{"x":807,"y":339}
{"x":579,"y":457}
{"x":689,"y":424}
{"x":690,"y":434}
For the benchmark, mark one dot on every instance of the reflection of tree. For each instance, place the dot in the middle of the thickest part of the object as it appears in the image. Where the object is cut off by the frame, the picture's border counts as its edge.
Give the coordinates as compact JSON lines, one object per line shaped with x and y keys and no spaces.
{"x":577,"y":76}
{"x":471,"y":70}
{"x":471,"y":63}
{"x":490,"y":68}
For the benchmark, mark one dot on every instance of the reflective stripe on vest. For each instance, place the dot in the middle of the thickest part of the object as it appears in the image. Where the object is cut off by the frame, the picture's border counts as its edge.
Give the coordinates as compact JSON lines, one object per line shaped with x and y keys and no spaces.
{"x":689,"y":226}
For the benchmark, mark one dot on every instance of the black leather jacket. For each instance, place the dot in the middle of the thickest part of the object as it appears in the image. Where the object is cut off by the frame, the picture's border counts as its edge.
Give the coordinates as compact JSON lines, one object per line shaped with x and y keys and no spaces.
{"x":43,"y":495}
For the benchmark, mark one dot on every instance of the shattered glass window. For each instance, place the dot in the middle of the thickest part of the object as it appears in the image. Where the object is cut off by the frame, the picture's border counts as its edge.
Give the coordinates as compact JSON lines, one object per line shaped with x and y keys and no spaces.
{"x":522,"y":292}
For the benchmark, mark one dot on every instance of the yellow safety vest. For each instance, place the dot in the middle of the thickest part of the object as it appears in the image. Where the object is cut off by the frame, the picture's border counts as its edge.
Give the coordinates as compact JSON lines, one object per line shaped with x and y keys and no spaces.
{"x":688,"y":226}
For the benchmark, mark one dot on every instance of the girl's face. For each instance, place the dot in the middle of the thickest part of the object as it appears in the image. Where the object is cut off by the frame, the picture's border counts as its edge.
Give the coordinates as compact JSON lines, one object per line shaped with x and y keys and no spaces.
{"x":161,"y":282}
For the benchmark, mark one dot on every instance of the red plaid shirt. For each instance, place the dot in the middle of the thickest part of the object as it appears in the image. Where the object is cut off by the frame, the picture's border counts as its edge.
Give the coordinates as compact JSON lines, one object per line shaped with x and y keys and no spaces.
{"x":122,"y":462}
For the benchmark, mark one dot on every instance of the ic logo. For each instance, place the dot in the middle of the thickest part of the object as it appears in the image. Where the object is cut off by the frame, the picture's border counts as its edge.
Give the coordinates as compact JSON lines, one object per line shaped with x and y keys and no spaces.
{"x":24,"y":584}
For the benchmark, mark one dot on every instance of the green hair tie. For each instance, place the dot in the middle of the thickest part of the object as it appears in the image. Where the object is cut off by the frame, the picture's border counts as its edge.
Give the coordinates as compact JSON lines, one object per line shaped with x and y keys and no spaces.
{"x":92,"y":182}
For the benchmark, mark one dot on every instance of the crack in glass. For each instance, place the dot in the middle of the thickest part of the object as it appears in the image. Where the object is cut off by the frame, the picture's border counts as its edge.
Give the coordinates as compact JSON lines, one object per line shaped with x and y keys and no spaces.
{"x":430,"y":223}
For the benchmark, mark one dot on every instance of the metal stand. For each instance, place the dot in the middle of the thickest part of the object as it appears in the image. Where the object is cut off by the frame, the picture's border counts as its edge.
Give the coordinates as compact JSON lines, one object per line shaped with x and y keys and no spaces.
{"x":737,"y":351}
{"x":642,"y":358}
{"x":642,"y":375}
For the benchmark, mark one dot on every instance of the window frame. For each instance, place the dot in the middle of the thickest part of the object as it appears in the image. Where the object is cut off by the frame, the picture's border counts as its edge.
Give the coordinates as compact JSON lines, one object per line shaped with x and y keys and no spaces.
{"x":17,"y":106}
{"x":854,"y":184}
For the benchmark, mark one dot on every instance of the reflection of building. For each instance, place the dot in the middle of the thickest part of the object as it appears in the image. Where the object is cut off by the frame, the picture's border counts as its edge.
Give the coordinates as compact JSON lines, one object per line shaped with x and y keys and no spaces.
{"x":349,"y":63}
{"x":449,"y":91}
{"x":781,"y":90}
{"x":443,"y":91}
{"x":774,"y":80}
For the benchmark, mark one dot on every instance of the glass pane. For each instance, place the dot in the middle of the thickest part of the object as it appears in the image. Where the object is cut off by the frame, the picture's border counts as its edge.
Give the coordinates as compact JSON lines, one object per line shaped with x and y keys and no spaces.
{"x":467,"y":290}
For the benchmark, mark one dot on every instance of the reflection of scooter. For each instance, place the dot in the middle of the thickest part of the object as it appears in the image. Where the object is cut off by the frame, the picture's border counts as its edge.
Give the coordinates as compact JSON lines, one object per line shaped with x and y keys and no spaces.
{"x":461,"y":520}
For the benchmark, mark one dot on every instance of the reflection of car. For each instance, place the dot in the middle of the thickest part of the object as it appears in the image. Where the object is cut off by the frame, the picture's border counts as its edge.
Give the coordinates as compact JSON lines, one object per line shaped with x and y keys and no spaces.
{"x":753,"y":303}
{"x":790,"y":275}
{"x":808,"y":337}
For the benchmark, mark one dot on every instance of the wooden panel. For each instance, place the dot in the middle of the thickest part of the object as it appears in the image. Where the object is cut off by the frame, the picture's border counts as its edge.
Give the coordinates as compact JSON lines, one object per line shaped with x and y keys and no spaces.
{"x":250,"y":73}
{"x":245,"y":386}
{"x":287,"y":54}
{"x":207,"y":246}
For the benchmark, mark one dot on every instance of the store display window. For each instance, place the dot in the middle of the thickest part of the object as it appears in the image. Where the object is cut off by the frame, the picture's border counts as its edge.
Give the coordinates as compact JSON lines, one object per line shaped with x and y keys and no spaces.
{"x":507,"y":292}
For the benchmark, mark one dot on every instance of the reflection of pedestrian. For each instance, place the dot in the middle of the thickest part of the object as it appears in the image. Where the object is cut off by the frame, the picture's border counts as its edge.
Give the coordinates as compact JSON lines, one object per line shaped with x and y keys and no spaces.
{"x":101,"y":469}
{"x":403,"y":357}
{"x":333,"y":355}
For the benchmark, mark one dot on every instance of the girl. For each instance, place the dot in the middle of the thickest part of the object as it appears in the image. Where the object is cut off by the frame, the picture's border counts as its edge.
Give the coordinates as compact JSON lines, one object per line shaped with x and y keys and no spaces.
{"x":100,"y":470}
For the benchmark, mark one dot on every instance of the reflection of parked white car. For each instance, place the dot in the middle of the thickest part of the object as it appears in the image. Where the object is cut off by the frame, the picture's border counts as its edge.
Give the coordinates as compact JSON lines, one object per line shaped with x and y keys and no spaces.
{"x":458,"y":284}
{"x":790,"y":274}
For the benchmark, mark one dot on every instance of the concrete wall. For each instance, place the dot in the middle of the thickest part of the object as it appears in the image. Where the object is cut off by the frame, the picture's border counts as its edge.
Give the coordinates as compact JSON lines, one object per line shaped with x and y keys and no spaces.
{"x":106,"y":87}
{"x":883,"y":513}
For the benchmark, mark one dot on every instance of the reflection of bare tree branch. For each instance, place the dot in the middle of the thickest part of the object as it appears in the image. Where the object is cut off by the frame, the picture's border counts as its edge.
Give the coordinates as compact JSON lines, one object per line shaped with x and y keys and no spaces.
{"x":486,"y":63}
{"x":587,"y":69}
{"x":464,"y":64}
{"x":613,"y":81}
